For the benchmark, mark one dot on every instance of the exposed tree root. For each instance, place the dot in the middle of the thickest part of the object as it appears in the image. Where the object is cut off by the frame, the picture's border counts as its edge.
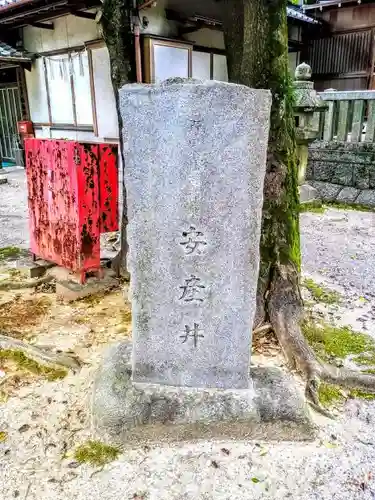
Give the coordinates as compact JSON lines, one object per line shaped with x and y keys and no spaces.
{"x":285,"y":310}
{"x":267,"y":327}
{"x":40,"y":356}
{"x":19,"y":285}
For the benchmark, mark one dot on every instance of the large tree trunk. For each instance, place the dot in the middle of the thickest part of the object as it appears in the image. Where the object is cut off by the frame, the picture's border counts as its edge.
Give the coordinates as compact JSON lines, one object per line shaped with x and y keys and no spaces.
{"x":256,"y":39}
{"x":116,"y":24}
{"x":257,"y":47}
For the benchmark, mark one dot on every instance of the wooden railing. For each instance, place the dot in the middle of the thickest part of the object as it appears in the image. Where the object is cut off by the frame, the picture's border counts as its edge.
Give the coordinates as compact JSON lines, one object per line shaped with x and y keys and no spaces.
{"x":350,"y":116}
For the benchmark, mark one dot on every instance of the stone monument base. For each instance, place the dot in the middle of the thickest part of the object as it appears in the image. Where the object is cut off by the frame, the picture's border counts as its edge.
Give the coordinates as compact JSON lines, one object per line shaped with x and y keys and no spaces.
{"x":129,"y":414}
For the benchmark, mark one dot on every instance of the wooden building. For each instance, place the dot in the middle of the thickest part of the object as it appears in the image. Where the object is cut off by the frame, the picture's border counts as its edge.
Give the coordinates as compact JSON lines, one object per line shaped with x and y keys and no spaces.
{"x":69,"y":90}
{"x":341,"y":51}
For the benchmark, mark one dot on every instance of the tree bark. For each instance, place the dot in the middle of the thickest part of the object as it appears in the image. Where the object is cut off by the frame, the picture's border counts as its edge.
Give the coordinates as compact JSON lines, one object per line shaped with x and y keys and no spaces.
{"x":116,"y":25}
{"x":256,"y":39}
{"x":257,"y":48}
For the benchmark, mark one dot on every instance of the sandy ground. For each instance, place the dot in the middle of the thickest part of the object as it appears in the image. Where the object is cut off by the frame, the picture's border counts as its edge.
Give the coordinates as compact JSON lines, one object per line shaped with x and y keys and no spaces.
{"x":43,"y":422}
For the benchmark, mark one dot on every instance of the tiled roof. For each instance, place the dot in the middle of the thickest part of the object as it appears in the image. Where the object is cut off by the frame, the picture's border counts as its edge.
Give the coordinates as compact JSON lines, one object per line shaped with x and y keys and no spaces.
{"x":297,"y":13}
{"x":8,"y":53}
{"x":6,"y":4}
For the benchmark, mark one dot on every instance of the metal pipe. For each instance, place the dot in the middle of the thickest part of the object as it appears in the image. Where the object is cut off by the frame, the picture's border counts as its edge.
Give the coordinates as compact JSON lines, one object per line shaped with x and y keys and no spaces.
{"x":138,"y":56}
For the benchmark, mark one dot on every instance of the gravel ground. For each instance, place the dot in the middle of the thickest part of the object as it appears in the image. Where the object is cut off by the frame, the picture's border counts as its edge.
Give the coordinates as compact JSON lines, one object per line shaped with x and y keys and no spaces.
{"x":47,"y":420}
{"x":13,"y":209}
{"x":340,"y":246}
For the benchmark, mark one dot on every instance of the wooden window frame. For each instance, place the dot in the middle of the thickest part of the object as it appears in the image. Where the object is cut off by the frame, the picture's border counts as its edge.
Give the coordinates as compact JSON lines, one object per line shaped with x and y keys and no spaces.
{"x":213,"y":52}
{"x":149,"y":54}
{"x":73,"y":125}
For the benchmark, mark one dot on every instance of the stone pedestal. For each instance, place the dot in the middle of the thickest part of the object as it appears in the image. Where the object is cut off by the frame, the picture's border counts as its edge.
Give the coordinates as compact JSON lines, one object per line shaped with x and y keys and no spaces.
{"x":195,"y":156}
{"x":129,"y":414}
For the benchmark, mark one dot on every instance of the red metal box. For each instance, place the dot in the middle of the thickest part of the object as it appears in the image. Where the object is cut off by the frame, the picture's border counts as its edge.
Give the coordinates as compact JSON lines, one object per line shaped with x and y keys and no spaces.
{"x":73,"y":197}
{"x":25,"y":127}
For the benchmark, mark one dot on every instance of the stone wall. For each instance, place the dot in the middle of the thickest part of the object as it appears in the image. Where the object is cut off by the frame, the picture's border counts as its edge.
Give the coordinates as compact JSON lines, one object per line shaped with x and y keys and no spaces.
{"x":343,"y":171}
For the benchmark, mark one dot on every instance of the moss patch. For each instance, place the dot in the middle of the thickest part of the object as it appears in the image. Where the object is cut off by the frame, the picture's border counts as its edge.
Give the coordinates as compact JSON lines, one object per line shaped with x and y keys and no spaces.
{"x":350,"y":206}
{"x":22,"y":361}
{"x":367,"y":359}
{"x":355,"y":393}
{"x":321,"y":293}
{"x":96,"y":453}
{"x":340,"y":342}
{"x":3,"y":436}
{"x":10,"y":253}
{"x":312,"y":207}
{"x":329,"y":394}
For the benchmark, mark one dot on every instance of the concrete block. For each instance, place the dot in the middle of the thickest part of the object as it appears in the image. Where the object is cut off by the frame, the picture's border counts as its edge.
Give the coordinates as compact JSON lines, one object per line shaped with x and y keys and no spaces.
{"x":348,"y":195}
{"x":69,"y":291}
{"x":308,"y":193}
{"x":327,"y":191}
{"x":39,"y":268}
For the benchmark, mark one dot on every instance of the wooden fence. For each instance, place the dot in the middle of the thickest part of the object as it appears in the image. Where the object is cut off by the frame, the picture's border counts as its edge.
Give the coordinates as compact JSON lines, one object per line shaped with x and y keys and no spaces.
{"x":350,"y":116}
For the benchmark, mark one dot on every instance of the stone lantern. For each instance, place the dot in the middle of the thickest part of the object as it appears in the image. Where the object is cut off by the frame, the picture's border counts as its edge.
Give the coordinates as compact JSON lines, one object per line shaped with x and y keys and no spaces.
{"x":307,"y":108}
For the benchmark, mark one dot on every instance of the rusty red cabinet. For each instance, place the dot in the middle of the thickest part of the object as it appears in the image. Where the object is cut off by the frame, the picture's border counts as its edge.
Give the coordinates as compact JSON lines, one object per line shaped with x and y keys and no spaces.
{"x":73,"y":198}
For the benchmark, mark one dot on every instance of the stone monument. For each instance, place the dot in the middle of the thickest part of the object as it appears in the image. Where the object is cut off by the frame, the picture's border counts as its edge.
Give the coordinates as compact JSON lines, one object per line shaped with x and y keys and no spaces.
{"x":195,"y":155}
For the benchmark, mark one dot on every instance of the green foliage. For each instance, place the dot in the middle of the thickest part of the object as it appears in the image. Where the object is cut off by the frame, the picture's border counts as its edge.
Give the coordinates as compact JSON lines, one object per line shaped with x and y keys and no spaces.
{"x":340,"y":342}
{"x":96,"y":453}
{"x":32,"y":366}
{"x":320,"y":293}
{"x":10,"y":253}
{"x":329,"y":394}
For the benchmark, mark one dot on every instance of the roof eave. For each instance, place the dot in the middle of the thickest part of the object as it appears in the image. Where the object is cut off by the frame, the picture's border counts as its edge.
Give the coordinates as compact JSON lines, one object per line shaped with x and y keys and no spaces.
{"x":14,"y":5}
{"x":326,"y":4}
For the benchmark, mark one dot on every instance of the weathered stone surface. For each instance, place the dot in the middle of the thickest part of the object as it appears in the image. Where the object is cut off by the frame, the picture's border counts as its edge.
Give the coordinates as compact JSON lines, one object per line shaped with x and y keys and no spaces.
{"x":326,"y":190}
{"x":128,"y":413}
{"x":195,"y":163}
{"x":348,"y":195}
{"x":308,"y":193}
{"x":366,"y":197}
{"x":342,"y":173}
{"x":323,"y":171}
{"x":372,"y":177}
{"x":345,"y":163}
{"x":309,"y":170}
{"x":357,"y":147}
{"x":340,"y":156}
{"x":336,"y":173}
{"x":361,"y":176}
